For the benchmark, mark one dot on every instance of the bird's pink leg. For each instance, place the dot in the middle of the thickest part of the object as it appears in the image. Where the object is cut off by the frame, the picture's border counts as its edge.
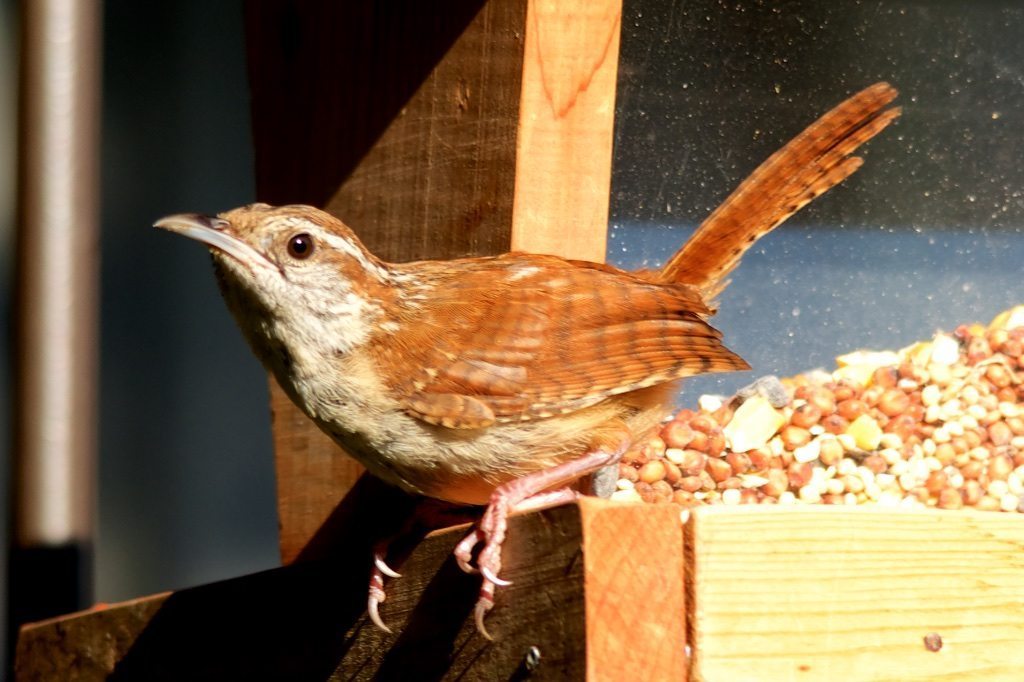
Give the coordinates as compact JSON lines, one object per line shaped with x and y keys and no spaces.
{"x":532,"y":491}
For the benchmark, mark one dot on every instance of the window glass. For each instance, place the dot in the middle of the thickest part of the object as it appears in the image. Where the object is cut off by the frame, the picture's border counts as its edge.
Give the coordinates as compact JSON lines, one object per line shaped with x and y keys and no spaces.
{"x":925,"y":236}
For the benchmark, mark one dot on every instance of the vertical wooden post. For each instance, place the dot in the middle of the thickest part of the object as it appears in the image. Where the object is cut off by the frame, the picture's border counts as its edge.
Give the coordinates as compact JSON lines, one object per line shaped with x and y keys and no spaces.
{"x":434,"y":134}
{"x":566,"y":117}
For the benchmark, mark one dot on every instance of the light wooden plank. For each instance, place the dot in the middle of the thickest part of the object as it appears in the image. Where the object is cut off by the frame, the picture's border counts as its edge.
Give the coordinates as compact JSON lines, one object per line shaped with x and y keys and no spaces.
{"x":633,"y":572}
{"x":566,"y":118}
{"x":825,"y":593}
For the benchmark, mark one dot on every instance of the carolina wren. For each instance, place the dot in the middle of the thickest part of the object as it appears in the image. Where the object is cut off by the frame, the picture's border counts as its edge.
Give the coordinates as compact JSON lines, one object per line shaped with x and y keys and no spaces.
{"x":500,"y":380}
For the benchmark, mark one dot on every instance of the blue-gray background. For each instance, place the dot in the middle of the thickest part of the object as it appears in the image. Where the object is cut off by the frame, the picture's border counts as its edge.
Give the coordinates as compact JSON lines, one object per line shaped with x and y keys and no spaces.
{"x":927,"y":235}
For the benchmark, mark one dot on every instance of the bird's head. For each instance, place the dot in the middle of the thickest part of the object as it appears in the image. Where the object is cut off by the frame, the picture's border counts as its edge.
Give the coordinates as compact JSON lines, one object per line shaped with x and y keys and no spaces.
{"x":290,"y":271}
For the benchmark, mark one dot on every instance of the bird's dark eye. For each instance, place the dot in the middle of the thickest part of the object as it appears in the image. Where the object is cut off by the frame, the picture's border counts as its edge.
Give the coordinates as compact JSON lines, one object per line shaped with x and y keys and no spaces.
{"x":300,"y":246}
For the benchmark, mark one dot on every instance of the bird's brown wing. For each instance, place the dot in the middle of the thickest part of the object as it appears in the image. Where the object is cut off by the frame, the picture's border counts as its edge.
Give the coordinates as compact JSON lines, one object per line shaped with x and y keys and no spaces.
{"x":519,"y":337}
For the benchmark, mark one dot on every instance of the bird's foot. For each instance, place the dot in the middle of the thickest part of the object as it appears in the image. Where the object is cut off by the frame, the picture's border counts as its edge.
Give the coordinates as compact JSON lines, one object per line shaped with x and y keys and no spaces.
{"x":376,"y":593}
{"x":531,"y":492}
{"x":427,"y":515}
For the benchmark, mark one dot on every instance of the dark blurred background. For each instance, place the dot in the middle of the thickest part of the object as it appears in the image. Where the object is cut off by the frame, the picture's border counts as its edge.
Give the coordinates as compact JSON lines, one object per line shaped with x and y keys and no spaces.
{"x":925,"y":236}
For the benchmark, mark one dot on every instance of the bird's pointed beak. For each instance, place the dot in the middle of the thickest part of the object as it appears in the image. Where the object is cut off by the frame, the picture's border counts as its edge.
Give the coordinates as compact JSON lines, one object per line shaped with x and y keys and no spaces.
{"x":215,"y":233}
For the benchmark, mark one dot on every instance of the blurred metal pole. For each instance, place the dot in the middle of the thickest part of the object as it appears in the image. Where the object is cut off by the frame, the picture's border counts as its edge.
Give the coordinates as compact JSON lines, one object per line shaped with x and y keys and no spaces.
{"x":54,"y":470}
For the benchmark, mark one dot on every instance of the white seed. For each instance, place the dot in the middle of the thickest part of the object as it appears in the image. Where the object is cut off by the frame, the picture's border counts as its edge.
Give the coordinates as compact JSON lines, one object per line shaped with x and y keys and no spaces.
{"x":945,"y":350}
{"x":939,"y":375}
{"x":846,"y":466}
{"x":731,"y":496}
{"x":807,"y":453}
{"x":930,"y":395}
{"x":752,"y":480}
{"x":976,"y":412}
{"x":626,"y":496}
{"x":847,"y":441}
{"x":921,"y":468}
{"x":1009,"y":410}
{"x":941,"y":435}
{"x":1009,"y":502}
{"x":998,"y":488}
{"x":675,"y":455}
{"x":951,"y":408}
{"x":979,"y":453}
{"x":624,"y":484}
{"x":911,"y":502}
{"x":967,"y":421}
{"x":710,"y":403}
{"x":787,"y":498}
{"x":891,"y":455}
{"x":890,"y":440}
{"x":810,"y":493}
{"x":954,"y":428}
{"x":889,"y":499}
{"x":907,"y":385}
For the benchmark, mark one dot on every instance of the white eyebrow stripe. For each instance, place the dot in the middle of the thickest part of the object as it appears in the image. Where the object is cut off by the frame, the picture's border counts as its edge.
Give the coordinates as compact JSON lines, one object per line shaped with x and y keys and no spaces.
{"x":347,"y":247}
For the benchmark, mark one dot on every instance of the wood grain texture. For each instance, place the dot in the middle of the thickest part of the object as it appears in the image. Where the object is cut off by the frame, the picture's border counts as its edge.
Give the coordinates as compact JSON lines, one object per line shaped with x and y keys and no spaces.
{"x":307,"y":621}
{"x":438,"y":181}
{"x":820,"y":593}
{"x":83,"y":646}
{"x":382,"y":111}
{"x":566,"y":119}
{"x":633,"y":568}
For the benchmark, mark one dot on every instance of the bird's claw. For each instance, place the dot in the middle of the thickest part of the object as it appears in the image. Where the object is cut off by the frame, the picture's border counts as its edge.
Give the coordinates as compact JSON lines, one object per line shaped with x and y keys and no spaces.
{"x":483,"y":605}
{"x":376,"y":594}
{"x":382,"y":566}
{"x":373,"y":608}
{"x":488,"y":574}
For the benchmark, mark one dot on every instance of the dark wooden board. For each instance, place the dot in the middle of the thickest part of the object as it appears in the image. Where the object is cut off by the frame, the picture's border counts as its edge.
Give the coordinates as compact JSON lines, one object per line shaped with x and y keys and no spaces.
{"x":307,"y":621}
{"x":398,"y":117}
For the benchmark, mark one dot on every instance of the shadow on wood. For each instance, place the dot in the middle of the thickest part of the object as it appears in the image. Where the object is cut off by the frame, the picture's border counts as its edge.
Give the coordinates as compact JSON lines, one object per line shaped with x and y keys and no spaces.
{"x":307,"y":621}
{"x":328,"y":78}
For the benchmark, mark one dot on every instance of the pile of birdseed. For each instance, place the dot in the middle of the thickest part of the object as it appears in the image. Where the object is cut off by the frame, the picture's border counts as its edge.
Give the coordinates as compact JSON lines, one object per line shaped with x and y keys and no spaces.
{"x":937,"y":424}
